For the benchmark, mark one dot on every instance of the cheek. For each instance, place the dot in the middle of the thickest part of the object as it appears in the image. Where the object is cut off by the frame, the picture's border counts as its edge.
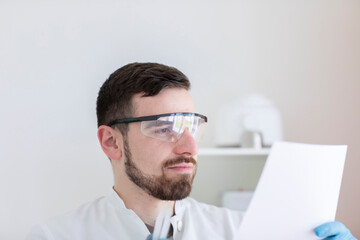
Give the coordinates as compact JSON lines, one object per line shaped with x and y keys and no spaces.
{"x":149,"y":154}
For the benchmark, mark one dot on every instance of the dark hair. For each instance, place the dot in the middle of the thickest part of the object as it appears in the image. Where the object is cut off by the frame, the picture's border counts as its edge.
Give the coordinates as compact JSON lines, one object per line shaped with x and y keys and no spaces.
{"x":115,"y":95}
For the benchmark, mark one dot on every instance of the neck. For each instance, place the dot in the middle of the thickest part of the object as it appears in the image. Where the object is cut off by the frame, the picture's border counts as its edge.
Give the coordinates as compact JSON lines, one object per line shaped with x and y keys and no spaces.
{"x":144,"y":205}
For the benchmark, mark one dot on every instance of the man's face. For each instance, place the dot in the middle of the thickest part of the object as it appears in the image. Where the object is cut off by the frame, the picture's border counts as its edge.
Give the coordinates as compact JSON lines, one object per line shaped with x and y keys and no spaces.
{"x":163,"y":169}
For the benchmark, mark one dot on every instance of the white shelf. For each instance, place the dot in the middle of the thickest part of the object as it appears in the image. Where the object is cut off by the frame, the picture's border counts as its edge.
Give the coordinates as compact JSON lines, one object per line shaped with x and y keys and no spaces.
{"x":233,"y":152}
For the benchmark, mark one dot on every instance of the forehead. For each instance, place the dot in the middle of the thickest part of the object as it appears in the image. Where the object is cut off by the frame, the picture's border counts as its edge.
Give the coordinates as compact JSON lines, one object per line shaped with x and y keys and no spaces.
{"x":167,"y":101}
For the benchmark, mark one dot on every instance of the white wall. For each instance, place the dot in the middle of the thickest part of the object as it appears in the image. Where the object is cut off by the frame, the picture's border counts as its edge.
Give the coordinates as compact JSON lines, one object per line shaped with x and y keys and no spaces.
{"x":304,"y":55}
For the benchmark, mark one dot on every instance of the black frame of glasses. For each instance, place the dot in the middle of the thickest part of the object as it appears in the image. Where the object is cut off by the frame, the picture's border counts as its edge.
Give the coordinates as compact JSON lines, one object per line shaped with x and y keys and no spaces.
{"x":154,"y":117}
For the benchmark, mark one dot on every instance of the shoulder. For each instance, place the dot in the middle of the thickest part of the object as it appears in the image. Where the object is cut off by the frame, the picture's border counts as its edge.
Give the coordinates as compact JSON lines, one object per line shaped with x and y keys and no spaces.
{"x":93,"y":208}
{"x":103,"y":218}
{"x":72,"y":220}
{"x":212,"y":213}
{"x":194,"y":206}
{"x":216,"y":222}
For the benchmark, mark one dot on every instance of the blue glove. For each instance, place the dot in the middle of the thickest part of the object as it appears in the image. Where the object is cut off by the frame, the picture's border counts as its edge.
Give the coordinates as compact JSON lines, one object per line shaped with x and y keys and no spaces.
{"x":333,"y":231}
{"x":150,"y":238}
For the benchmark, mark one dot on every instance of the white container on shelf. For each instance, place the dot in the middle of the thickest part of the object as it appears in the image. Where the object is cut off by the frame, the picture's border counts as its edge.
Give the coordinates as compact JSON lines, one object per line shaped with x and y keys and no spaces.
{"x":252,"y":112}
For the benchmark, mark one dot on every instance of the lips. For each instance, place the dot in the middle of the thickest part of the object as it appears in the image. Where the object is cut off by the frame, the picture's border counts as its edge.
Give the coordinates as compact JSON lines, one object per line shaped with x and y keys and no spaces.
{"x":184,"y":167}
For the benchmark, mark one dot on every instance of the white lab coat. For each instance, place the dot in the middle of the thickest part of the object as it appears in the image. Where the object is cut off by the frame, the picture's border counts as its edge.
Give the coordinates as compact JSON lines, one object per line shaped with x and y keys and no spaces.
{"x":107,"y":218}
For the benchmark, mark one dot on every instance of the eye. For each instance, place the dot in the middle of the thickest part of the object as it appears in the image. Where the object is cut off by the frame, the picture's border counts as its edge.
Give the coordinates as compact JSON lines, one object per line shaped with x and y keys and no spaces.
{"x":163,"y":131}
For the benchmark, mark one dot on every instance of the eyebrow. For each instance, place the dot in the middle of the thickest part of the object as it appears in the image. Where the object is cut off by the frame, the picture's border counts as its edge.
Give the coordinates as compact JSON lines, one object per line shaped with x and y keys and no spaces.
{"x":157,"y":123}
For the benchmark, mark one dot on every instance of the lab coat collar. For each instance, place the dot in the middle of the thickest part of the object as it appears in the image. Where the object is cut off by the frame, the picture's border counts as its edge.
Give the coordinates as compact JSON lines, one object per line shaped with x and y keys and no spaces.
{"x":115,"y":200}
{"x":119,"y":205}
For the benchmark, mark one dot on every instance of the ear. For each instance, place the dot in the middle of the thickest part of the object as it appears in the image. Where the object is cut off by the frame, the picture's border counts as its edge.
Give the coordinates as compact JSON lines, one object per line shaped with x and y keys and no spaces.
{"x":111,"y":142}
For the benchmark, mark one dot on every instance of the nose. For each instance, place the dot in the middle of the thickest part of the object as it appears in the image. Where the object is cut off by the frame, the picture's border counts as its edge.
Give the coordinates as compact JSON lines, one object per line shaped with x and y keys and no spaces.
{"x":186,"y":145}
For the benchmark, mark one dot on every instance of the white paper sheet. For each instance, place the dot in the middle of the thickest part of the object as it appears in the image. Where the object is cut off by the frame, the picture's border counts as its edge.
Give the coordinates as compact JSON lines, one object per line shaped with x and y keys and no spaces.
{"x":297,"y":191}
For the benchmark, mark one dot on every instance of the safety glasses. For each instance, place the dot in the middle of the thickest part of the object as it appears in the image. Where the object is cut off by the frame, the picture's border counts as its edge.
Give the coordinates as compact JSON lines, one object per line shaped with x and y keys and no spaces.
{"x":168,"y":127}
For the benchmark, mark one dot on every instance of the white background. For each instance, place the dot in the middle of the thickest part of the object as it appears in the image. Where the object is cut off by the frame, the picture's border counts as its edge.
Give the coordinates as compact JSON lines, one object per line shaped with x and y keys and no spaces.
{"x":304,"y":55}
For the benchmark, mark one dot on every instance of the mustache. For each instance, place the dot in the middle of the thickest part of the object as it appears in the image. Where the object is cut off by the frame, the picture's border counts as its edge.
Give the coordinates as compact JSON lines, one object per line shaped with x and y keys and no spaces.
{"x":179,"y":160}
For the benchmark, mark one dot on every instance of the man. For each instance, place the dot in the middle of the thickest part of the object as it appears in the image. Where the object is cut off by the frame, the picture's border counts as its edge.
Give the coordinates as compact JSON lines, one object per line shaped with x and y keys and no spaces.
{"x":148,"y":127}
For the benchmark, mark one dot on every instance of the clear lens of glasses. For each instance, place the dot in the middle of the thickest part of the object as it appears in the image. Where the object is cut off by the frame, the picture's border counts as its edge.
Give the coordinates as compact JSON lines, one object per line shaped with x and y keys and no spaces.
{"x":171,"y":128}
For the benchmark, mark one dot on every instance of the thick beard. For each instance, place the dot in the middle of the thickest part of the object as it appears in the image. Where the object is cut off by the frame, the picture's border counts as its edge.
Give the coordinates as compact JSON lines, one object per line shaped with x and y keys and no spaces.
{"x":160,"y":187}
